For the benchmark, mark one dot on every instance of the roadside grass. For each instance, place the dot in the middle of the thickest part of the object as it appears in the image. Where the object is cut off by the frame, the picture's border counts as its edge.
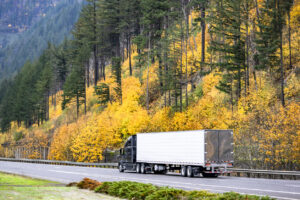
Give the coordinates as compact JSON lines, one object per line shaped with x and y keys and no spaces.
{"x":13,"y":187}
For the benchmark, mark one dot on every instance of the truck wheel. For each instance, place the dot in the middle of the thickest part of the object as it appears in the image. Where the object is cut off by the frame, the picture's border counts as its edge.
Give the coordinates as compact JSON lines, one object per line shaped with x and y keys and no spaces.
{"x":121,"y":169}
{"x":190,"y":172}
{"x":211,"y":175}
{"x":143,"y":168}
{"x":183,"y":171}
{"x":138,"y":168}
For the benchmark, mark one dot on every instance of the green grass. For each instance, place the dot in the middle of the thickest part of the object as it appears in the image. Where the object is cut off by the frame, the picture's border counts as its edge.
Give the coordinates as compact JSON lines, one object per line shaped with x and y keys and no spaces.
{"x":13,"y":187}
{"x":13,"y":180}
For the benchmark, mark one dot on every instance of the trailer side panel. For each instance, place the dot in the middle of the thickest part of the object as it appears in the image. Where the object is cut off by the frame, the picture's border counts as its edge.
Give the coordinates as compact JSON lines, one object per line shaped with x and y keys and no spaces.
{"x":182,"y":147}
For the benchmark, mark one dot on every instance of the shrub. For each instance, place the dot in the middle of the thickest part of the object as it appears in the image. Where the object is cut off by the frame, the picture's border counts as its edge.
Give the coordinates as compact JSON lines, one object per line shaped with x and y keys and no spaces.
{"x":87,"y":183}
{"x":237,"y":196}
{"x":127,"y":189}
{"x":200,"y":195}
{"x":166,"y":193}
{"x":141,"y":191}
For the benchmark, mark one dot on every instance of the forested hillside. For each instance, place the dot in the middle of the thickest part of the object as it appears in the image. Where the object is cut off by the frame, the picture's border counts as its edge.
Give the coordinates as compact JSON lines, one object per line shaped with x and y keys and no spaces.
{"x":27,"y":26}
{"x":162,"y":65}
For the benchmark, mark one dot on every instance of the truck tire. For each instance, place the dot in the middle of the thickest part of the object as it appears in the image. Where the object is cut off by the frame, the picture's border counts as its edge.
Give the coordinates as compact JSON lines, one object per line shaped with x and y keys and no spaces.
{"x":121,"y":169}
{"x":190,"y":171}
{"x":210,"y":175}
{"x":183,"y":171}
{"x":138,"y":168}
{"x":143,"y":168}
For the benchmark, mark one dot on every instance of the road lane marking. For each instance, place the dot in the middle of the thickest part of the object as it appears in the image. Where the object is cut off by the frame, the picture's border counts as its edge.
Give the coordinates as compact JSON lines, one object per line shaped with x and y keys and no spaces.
{"x":161,"y":181}
{"x":293,"y":185}
{"x":157,"y":182}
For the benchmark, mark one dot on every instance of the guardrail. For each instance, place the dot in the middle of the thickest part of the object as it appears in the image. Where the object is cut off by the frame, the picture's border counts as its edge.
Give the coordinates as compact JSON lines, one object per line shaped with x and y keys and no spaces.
{"x":272,"y":174}
{"x":251,"y":173}
{"x":56,"y":162}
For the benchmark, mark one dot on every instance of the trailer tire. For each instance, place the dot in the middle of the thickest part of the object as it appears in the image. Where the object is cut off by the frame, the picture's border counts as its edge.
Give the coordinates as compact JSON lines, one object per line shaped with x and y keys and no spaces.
{"x":138,"y":168}
{"x":143,"y":168}
{"x":190,"y":171}
{"x":210,"y":175}
{"x":121,"y":169}
{"x":183,"y":171}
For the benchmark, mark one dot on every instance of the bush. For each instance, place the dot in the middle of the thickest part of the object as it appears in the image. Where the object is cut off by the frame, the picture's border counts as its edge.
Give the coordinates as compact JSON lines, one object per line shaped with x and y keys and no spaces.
{"x":201,"y":195}
{"x":237,"y":196}
{"x":127,"y":189}
{"x":18,"y":136}
{"x":166,"y":193}
{"x":87,"y":183}
{"x":141,"y":191}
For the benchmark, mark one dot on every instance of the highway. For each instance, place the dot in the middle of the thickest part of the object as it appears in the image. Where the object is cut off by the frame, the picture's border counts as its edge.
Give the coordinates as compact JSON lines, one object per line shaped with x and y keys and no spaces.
{"x":279,"y":189}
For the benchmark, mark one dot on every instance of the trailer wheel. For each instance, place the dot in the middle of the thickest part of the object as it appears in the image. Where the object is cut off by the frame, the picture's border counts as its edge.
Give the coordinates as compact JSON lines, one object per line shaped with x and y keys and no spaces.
{"x":190,"y":172}
{"x":143,"y":168}
{"x":121,"y":169}
{"x":138,"y":168}
{"x":183,"y":171}
{"x":210,"y":175}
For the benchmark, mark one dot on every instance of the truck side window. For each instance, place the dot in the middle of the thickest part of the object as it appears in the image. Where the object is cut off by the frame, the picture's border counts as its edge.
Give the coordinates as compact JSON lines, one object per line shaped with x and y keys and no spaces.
{"x":128,"y":143}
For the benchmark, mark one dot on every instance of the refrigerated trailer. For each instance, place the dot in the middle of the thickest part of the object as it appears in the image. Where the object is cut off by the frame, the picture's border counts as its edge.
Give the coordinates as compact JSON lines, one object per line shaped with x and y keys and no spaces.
{"x":206,"y":152}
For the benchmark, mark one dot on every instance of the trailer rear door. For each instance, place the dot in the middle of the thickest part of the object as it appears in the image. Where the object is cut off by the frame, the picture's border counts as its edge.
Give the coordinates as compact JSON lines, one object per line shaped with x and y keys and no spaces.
{"x":219,"y":146}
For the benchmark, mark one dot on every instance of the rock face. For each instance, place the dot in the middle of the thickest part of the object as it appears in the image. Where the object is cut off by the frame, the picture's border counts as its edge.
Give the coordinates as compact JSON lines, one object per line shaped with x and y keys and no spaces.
{"x":26,"y":26}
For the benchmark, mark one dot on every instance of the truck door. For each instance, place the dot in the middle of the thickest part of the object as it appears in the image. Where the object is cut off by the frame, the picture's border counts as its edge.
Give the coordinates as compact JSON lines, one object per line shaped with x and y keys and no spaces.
{"x":218,"y":146}
{"x":130,"y":150}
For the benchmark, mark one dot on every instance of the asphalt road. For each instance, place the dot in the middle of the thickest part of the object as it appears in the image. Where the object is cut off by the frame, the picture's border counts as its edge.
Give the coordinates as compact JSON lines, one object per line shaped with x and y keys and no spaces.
{"x":280,"y":189}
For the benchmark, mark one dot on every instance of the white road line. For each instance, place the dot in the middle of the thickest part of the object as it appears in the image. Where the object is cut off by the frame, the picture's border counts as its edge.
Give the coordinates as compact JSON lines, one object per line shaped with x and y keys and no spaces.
{"x":193,"y":184}
{"x":293,"y":185}
{"x":158,"y":182}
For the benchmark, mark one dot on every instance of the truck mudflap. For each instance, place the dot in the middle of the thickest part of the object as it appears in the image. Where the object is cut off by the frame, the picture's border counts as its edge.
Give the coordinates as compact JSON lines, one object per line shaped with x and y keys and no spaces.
{"x":218,"y":168}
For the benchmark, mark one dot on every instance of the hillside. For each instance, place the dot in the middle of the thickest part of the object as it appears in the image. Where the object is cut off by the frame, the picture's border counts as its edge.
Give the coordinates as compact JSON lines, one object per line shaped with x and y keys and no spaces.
{"x":135,"y":66}
{"x":26,"y":27}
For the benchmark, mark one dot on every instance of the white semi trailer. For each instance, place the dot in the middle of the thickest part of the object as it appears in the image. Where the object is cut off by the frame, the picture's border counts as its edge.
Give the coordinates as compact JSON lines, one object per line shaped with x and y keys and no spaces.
{"x":206,"y":152}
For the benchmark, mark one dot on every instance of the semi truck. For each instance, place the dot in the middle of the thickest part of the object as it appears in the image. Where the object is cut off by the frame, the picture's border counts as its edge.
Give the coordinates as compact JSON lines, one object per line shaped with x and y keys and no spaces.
{"x":206,"y":152}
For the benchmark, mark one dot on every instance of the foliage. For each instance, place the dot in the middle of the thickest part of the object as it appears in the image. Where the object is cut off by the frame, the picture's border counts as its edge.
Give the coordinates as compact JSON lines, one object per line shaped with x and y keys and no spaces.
{"x":87,"y":183}
{"x":102,"y":91}
{"x":142,"y":191}
{"x":163,"y":66}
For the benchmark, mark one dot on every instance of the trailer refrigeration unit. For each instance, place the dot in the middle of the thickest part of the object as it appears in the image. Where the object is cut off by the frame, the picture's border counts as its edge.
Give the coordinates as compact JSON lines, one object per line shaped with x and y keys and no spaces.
{"x":206,"y":152}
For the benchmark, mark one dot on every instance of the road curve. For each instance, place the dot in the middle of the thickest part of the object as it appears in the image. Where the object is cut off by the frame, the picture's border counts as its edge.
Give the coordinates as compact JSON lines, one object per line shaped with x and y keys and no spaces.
{"x":279,"y":189}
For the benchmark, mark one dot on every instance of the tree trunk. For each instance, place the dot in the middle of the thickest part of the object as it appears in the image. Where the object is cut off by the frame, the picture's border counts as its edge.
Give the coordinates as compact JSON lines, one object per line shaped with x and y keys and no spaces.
{"x":147,"y":92}
{"x":290,"y":46}
{"x":77,"y":105}
{"x":186,"y":15}
{"x":95,"y":46}
{"x":102,"y":67}
{"x":129,"y":56}
{"x":203,"y":28}
{"x":85,"y":80}
{"x":88,"y":74}
{"x":282,"y":72}
{"x":247,"y":53}
{"x":181,"y":64}
{"x":95,"y":66}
